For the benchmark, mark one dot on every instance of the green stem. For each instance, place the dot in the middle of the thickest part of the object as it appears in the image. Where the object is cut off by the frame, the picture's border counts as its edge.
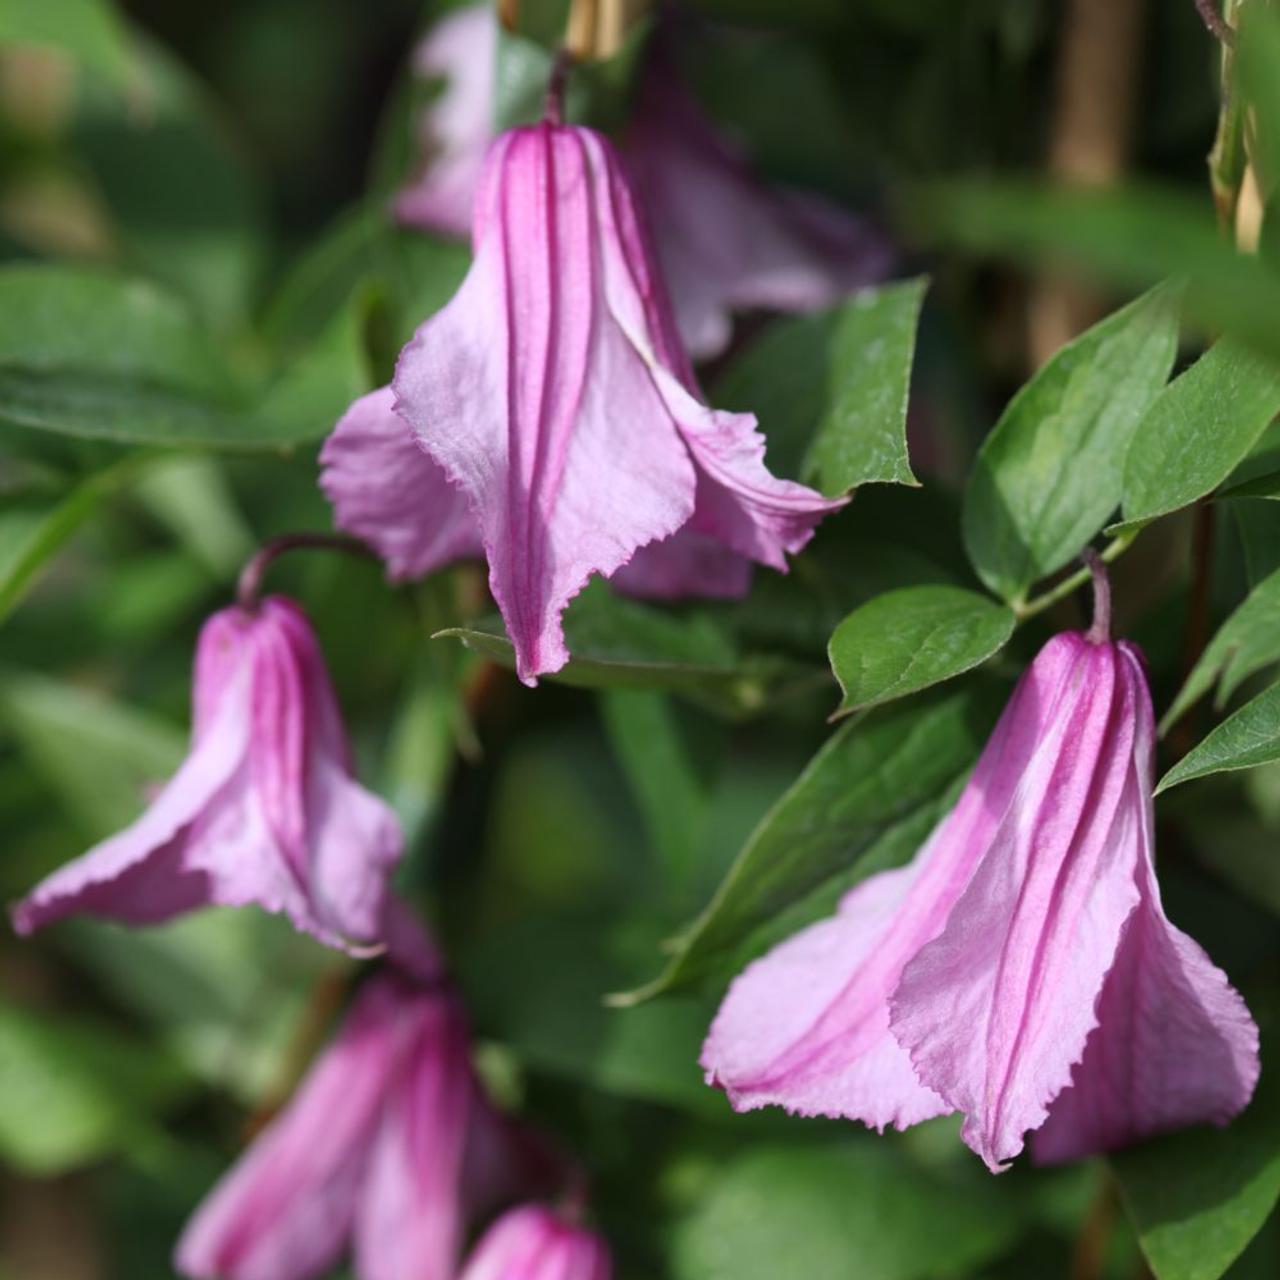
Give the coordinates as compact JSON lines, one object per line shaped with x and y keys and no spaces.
{"x":1113,"y":551}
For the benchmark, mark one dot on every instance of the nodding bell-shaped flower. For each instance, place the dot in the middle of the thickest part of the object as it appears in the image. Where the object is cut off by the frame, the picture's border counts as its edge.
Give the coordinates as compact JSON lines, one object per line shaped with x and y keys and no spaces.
{"x":726,"y":241}
{"x":554,"y":393}
{"x":532,"y":1243}
{"x":456,"y":131}
{"x":386,"y":1151}
{"x":1021,"y":970}
{"x":264,"y":809}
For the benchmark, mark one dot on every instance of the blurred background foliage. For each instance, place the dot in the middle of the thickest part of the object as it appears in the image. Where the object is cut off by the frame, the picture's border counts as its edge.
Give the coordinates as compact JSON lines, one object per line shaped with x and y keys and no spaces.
{"x":199,"y":273}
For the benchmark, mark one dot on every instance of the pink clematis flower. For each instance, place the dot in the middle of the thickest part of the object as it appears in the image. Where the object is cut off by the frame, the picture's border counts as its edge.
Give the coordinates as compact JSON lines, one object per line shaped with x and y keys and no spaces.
{"x":387,"y":490}
{"x":455,"y":133}
{"x":1021,"y":969}
{"x":532,"y":1243}
{"x":553,"y":391}
{"x":388,"y":1148}
{"x":264,"y":809}
{"x":726,"y":242}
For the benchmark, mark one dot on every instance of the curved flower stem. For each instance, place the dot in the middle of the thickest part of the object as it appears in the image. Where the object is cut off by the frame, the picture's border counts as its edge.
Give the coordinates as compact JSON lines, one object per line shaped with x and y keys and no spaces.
{"x":1113,"y":551}
{"x":553,"y":103}
{"x":1209,"y":15}
{"x":1100,"y":631}
{"x":249,"y":586}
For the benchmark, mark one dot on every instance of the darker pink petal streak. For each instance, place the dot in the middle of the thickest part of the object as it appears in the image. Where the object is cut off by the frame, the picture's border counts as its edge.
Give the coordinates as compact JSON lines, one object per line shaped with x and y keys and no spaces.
{"x":264,"y":809}
{"x":1020,"y":970}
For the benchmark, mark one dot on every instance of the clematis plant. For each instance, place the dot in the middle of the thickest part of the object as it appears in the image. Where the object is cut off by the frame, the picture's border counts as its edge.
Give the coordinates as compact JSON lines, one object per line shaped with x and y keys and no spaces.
{"x":263,"y":810}
{"x":532,"y":1243}
{"x":555,"y":375}
{"x":1021,"y":969}
{"x":389,"y":1147}
{"x":726,"y":241}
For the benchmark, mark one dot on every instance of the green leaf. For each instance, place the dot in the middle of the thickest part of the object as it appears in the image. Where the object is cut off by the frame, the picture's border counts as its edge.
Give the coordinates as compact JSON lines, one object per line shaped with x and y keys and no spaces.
{"x":871,"y":781}
{"x":89,"y":30}
{"x":830,"y":390}
{"x":1248,"y":641}
{"x":1049,"y":474}
{"x":861,"y":437}
{"x":1134,"y":238}
{"x":184,"y":206}
{"x":1198,"y":1197}
{"x":1257,"y":62}
{"x":229,"y":991}
{"x":107,"y":358}
{"x":1266,"y":485}
{"x":619,"y":644}
{"x":72,"y":1091}
{"x":907,"y":640}
{"x":1199,"y":429}
{"x":97,"y":755}
{"x":1248,"y":737}
{"x":835,"y":1210}
{"x":30,"y":535}
{"x":646,"y":734}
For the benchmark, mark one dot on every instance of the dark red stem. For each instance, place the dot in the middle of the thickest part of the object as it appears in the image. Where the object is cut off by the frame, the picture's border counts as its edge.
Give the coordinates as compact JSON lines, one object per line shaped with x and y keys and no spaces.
{"x":1100,"y":631}
{"x":249,"y":585}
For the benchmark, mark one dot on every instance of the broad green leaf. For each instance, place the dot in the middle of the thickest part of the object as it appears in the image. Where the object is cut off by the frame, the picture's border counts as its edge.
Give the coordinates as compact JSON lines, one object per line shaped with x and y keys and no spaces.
{"x":861,"y":437}
{"x":96,"y":754}
{"x":61,"y":323}
{"x":1248,"y":641}
{"x":619,"y":644}
{"x":183,"y":203}
{"x":107,"y":358}
{"x":871,"y":780}
{"x":72,"y":1091}
{"x":830,"y":390}
{"x":907,"y":640}
{"x":831,"y":1211}
{"x":1132,"y":237}
{"x":1266,"y":485}
{"x":89,"y":30}
{"x":1199,"y":429}
{"x":1248,"y":737}
{"x":1198,"y":1197}
{"x":1049,"y":474}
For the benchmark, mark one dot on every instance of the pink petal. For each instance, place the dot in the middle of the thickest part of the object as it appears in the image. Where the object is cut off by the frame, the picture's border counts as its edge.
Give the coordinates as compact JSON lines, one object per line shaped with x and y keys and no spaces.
{"x":685,"y":565}
{"x":531,"y":1243}
{"x":411,"y":1212}
{"x":807,"y":1026}
{"x":537,"y":400}
{"x":458,"y":126}
{"x":1175,"y":1044}
{"x":728,"y":243}
{"x":139,"y":876}
{"x":291,"y":830}
{"x":739,"y":503}
{"x":997,"y":1008}
{"x":386,"y":490}
{"x":285,"y":1210}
